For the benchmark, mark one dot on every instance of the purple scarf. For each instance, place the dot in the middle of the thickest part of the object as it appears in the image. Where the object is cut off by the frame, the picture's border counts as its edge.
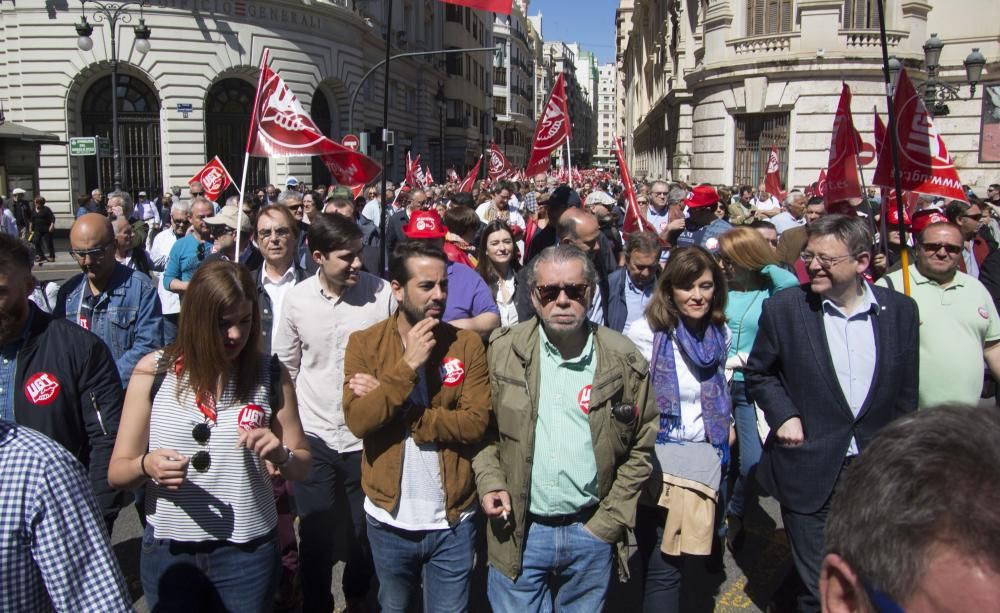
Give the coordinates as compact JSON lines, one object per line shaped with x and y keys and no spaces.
{"x":708,"y":357}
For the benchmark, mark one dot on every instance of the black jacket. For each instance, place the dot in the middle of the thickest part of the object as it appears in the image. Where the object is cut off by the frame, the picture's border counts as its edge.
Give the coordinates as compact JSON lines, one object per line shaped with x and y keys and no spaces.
{"x":67,"y":387}
{"x":791,"y":373}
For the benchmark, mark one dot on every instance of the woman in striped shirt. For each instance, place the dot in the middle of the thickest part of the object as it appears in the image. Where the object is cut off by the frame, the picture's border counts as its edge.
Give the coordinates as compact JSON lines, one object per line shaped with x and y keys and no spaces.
{"x":204,"y":421}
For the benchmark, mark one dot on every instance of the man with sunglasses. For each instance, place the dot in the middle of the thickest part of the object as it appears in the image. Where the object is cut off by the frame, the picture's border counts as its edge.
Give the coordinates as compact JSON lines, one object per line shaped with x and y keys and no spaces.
{"x":189,"y":253}
{"x":117,"y":303}
{"x":969,"y":219}
{"x":568,"y":451}
{"x":223,"y":228}
{"x":957,"y":313}
{"x":834,"y":361}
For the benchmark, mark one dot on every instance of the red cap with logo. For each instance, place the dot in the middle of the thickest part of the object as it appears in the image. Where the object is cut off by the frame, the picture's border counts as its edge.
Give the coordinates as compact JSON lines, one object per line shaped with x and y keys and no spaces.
{"x":702,"y":195}
{"x":892,"y":218}
{"x":925,"y":217}
{"x":425,"y":224}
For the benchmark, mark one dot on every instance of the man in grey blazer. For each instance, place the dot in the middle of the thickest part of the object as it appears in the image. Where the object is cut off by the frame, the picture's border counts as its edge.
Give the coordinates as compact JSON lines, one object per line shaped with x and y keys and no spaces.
{"x":835,"y":361}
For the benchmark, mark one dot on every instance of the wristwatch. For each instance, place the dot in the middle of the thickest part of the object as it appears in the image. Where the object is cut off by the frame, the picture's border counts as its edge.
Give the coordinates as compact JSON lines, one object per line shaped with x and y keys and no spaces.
{"x":288,"y":457}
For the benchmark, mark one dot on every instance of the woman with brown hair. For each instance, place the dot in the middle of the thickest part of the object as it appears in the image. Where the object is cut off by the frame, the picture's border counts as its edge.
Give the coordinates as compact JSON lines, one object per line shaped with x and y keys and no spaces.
{"x":499,"y":263}
{"x":753,"y":274}
{"x":201,"y":417}
{"x":685,"y":339}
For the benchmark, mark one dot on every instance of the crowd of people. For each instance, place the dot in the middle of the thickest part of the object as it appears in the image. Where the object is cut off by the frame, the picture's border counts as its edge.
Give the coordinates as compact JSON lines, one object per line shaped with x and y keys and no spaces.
{"x":501,"y":378}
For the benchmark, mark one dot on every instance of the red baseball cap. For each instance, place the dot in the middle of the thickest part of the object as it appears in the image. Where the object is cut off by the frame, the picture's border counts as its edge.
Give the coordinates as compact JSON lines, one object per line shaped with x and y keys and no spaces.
{"x":425,"y":224}
{"x":892,"y":218}
{"x":702,"y":195}
{"x":925,"y":217}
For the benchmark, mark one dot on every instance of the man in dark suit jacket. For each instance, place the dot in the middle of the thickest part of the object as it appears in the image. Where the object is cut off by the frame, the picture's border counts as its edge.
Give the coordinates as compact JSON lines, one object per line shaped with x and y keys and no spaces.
{"x":835,"y":360}
{"x":631,"y":287}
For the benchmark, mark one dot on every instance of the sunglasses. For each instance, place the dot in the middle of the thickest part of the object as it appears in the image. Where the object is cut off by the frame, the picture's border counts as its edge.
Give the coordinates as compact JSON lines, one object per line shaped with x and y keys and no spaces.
{"x":201,"y":251}
{"x":935,"y":247}
{"x":297,"y":207}
{"x":201,"y":433}
{"x":577,"y":292}
{"x":197,"y":194}
{"x":96,"y":254}
{"x":976,"y":217}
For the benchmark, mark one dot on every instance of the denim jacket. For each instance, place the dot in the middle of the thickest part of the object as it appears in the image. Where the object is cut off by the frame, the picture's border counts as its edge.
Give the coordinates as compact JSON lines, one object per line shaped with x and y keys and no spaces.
{"x":127,"y":315}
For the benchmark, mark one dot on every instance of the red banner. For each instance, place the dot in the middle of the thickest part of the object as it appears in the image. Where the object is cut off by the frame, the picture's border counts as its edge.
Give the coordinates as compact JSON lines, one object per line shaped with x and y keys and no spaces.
{"x":213,"y":177}
{"x":842,"y":181}
{"x":281,"y":127}
{"x":493,"y":6}
{"x":551,"y":131}
{"x":500,"y":169}
{"x":470,"y":179}
{"x":772,"y":180}
{"x":428,"y":177}
{"x":925,"y":167}
{"x":634,"y":220}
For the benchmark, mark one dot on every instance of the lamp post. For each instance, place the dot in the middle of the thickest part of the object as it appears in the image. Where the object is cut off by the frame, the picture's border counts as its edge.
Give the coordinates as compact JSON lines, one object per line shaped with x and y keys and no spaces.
{"x":937,"y":93}
{"x":439,"y":97}
{"x":114,"y":13}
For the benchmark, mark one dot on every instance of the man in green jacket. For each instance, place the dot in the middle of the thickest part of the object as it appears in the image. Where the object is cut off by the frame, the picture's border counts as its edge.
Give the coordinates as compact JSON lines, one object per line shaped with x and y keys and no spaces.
{"x":569,"y":448}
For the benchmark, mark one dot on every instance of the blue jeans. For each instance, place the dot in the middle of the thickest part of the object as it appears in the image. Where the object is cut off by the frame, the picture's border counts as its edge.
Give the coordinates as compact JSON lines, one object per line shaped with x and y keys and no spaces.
{"x":745,"y":489}
{"x":208,"y":576}
{"x":577,"y":563}
{"x":441,"y":560}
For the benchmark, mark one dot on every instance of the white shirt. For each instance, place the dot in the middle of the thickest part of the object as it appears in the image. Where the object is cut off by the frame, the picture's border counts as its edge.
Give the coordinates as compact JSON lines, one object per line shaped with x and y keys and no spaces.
{"x":372,"y":210}
{"x":765,"y":205}
{"x":784,"y":221}
{"x":508,"y":310}
{"x":276,"y":291}
{"x":159,"y":254}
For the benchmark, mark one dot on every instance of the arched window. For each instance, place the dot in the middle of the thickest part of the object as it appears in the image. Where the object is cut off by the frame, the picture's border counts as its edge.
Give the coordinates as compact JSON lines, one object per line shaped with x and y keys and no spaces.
{"x":138,"y":134}
{"x":227,"y":123}
{"x":319,"y":111}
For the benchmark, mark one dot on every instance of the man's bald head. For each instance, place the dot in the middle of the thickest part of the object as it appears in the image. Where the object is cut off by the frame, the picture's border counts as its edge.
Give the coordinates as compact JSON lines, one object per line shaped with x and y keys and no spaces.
{"x":579,"y":227}
{"x":91,"y":231}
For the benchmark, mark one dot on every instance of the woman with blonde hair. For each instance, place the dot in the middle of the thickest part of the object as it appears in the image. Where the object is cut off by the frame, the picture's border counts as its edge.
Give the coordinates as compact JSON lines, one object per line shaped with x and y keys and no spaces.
{"x":753,"y":275}
{"x":684,"y":336}
{"x":201,"y":419}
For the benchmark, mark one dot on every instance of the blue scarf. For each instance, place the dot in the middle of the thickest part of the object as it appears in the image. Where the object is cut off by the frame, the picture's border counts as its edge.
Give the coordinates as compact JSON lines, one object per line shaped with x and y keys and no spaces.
{"x":708,"y":357}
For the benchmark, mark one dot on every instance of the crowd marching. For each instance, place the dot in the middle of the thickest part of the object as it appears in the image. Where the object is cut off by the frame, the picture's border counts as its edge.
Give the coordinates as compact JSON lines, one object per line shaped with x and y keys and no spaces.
{"x":524,"y":384}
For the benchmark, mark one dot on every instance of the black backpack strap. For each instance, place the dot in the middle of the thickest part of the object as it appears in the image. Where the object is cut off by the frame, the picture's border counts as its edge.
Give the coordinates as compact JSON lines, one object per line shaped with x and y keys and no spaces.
{"x":277,"y":398}
{"x":158,"y":377}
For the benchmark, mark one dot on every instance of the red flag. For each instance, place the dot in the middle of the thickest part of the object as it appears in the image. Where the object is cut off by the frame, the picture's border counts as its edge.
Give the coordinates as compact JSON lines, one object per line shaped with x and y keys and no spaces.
{"x":925,"y":167}
{"x":428,"y":177}
{"x":413,"y":173}
{"x":357,"y":189}
{"x":470,"y":179}
{"x":493,"y":6}
{"x":551,"y":131}
{"x":879,"y":135}
{"x":213,"y":177}
{"x":772,"y":180}
{"x":500,"y":168}
{"x":821,"y":182}
{"x":634,"y":220}
{"x":453,"y":175}
{"x":281,"y":127}
{"x":842,"y":181}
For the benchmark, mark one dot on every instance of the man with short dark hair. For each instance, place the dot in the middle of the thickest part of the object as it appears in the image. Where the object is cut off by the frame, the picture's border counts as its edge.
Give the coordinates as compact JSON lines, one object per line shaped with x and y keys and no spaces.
{"x":417,"y":393}
{"x":223,"y":228}
{"x":630,"y":288}
{"x":318,"y":315}
{"x":834,"y":361}
{"x":956,"y":313}
{"x":56,"y":377}
{"x":570,"y":446}
{"x":339,"y":201}
{"x":897,"y":538}
{"x":969,"y":219}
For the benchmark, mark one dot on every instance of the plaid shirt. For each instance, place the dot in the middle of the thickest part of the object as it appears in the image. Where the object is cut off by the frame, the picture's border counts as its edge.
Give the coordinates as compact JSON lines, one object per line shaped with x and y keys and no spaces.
{"x":530,"y":202}
{"x":54,"y":551}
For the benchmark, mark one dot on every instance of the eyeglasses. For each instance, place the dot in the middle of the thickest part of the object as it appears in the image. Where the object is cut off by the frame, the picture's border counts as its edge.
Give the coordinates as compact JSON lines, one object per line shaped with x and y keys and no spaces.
{"x":659,"y":193}
{"x":577,"y":292}
{"x":197,"y":194}
{"x":181,"y":222}
{"x":297,"y":207}
{"x":219,"y":231}
{"x":277,"y":234}
{"x":935,"y":247}
{"x":96,"y":254}
{"x":976,"y":217}
{"x":201,"y":433}
{"x":825,"y":261}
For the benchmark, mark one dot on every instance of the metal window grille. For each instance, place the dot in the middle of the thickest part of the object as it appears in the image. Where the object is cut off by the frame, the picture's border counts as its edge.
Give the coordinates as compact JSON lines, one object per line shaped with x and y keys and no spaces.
{"x":755,"y":134}
{"x":227,"y":123}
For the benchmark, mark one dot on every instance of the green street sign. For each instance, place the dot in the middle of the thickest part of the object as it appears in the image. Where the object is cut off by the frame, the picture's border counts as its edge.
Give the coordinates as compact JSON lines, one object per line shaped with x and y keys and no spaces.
{"x":83,"y":145}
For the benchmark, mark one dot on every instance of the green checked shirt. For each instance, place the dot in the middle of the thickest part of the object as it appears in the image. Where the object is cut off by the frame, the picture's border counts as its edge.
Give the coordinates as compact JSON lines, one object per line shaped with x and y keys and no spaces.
{"x":564,"y":470}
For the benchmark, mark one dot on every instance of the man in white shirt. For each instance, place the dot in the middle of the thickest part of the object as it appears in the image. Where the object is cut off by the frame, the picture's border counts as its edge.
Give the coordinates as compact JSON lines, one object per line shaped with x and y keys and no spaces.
{"x":159,"y":254}
{"x":318,"y":315}
{"x":765,"y":204}
{"x":794,"y":213}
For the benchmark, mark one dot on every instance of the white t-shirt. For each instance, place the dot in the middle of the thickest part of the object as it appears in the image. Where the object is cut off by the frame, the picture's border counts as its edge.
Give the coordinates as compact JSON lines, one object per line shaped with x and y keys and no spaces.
{"x":159,"y":253}
{"x":770,"y":204}
{"x":372,"y":210}
{"x":784,"y":221}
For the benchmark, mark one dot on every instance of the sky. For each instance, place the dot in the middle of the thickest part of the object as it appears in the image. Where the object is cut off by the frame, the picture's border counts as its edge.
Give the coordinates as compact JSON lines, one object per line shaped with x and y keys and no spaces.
{"x":588,"y":22}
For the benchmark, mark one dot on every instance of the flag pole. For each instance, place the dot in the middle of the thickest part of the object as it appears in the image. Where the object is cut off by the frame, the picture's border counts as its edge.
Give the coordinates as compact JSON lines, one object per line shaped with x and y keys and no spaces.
{"x":383,"y":254}
{"x":569,"y":161}
{"x":250,"y":139}
{"x":894,"y":145}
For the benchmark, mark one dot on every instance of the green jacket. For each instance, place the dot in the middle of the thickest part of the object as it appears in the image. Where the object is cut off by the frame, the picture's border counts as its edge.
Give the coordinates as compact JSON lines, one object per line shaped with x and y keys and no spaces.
{"x":623,"y":450}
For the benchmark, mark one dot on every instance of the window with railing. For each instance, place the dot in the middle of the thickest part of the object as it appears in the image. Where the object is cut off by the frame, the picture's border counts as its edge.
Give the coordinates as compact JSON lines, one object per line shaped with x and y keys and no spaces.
{"x":768,"y":17}
{"x":860,"y":15}
{"x":755,"y":135}
{"x":499,"y":76}
{"x":500,"y":105}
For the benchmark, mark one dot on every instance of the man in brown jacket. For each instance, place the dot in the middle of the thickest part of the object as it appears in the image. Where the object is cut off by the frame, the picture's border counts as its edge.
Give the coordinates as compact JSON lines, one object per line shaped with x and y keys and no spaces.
{"x":417,"y":393}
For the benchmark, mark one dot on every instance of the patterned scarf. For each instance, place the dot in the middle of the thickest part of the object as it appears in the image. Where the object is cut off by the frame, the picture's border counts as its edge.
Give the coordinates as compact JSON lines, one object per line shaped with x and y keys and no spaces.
{"x":708,"y":356}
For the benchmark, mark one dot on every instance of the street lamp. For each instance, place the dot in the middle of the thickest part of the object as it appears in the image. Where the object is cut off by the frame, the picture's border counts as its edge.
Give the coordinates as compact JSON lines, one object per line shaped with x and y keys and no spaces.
{"x":439,"y":97}
{"x":937,"y":93}
{"x":114,"y":13}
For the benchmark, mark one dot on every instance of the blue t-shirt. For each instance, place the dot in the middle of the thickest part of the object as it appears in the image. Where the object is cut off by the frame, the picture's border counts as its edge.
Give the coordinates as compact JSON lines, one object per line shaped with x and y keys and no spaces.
{"x":743,"y":310}
{"x":468,"y":294}
{"x":185,"y":257}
